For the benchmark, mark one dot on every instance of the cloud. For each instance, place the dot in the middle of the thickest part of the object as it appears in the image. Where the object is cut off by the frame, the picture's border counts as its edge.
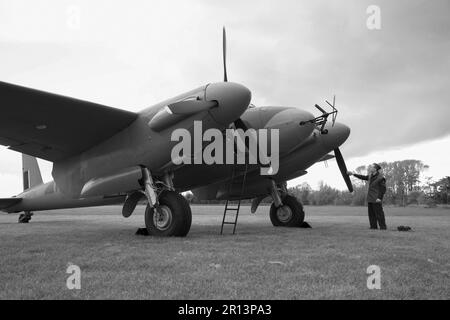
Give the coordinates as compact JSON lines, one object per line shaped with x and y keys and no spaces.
{"x":391,"y":85}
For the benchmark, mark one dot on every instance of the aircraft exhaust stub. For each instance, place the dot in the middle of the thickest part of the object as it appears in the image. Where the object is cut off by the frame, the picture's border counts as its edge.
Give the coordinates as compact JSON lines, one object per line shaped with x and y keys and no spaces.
{"x":165,"y":119}
{"x":178,"y":111}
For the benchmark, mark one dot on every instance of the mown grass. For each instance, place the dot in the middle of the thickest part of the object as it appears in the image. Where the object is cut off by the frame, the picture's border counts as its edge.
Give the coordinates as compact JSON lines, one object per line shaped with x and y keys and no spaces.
{"x":260,"y":262}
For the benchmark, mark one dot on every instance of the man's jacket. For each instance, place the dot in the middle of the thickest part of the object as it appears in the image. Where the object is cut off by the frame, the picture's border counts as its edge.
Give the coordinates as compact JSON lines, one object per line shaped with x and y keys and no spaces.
{"x":377,"y":186}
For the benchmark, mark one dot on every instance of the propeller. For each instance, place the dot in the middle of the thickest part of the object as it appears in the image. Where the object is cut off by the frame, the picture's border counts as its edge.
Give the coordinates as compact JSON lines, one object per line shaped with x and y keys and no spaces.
{"x":189,"y":107}
{"x":224,"y":49}
{"x":334,"y":114}
{"x":239,"y":124}
{"x":343,"y":168}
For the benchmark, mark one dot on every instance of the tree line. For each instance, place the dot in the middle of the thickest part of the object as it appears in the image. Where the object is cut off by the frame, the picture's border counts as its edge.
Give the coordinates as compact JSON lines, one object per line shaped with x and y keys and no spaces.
{"x":403,"y":187}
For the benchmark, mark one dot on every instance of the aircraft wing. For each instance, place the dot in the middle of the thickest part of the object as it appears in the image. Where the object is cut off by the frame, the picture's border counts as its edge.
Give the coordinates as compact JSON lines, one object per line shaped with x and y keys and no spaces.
{"x":53,"y":127}
{"x":8,"y":202}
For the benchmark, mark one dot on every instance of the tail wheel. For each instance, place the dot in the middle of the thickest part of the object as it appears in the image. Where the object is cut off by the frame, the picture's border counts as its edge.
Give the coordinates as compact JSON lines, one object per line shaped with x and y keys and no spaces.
{"x":172,"y":218}
{"x":290,"y":214}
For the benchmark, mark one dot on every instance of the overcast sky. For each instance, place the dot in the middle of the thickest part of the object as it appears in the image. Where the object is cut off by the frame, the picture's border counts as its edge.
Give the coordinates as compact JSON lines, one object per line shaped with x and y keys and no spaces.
{"x":392,"y":85}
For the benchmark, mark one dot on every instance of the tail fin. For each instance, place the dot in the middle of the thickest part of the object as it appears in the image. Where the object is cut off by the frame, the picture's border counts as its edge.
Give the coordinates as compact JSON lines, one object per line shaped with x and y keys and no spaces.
{"x":31,"y":172}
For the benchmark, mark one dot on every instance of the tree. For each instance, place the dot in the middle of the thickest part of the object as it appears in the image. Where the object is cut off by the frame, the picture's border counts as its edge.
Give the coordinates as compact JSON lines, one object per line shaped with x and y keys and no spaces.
{"x":415,"y":197}
{"x":442,"y":189}
{"x":402,"y":181}
{"x":326,"y":195}
{"x":343,"y":198}
{"x":359,"y":195}
{"x":301,"y":192}
{"x":402,"y":177}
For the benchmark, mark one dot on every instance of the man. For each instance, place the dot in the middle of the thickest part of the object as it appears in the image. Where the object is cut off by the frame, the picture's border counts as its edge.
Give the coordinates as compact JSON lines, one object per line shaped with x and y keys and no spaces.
{"x":375,"y":193}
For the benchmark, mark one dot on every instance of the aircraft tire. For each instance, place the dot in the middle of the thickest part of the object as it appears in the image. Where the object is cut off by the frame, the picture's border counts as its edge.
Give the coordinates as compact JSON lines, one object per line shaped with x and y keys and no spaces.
{"x":291,"y":214}
{"x":175,"y":219}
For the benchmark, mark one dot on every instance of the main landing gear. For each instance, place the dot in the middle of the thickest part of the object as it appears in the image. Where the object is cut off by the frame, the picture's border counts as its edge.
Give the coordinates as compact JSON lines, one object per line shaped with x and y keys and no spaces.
{"x":171,"y":217}
{"x":286,"y":210}
{"x":168,"y":213}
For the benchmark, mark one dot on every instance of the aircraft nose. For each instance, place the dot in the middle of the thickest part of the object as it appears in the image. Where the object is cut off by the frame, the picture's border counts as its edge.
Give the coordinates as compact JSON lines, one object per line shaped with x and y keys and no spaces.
{"x":336,"y":135}
{"x":233,"y":100}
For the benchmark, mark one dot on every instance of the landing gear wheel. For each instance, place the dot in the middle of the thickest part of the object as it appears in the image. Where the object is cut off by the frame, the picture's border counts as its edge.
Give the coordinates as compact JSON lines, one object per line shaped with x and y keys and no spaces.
{"x":290,"y":214}
{"x":172,"y":217}
{"x":25,"y":217}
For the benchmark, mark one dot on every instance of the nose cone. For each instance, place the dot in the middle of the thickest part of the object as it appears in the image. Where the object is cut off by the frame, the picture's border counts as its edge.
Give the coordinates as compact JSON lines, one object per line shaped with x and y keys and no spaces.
{"x":336,"y":135}
{"x":233,"y":100}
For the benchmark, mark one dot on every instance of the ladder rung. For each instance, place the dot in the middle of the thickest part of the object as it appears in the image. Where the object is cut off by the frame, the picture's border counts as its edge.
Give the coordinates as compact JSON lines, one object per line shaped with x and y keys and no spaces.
{"x":236,"y":181}
{"x":231,"y":209}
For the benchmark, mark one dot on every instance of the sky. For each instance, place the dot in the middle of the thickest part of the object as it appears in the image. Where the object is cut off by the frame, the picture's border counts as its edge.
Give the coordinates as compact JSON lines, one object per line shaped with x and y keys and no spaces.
{"x":392,"y":84}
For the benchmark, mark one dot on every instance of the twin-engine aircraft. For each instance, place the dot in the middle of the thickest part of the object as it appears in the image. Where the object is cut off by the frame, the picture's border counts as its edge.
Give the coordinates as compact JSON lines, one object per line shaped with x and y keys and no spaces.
{"x":103,"y":155}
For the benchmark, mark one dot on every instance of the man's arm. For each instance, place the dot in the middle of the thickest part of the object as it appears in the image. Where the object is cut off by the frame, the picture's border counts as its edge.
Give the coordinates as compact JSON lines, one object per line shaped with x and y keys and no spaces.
{"x":360,"y":176}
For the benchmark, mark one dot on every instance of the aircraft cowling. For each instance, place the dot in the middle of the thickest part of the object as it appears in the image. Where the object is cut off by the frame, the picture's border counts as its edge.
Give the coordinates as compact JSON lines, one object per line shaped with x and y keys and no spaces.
{"x":221,"y":191}
{"x":121,"y":182}
{"x":233,"y":99}
{"x":286,"y":120}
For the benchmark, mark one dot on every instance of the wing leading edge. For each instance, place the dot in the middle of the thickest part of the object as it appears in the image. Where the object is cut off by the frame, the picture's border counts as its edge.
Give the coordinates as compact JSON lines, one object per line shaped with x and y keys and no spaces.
{"x":53,"y":127}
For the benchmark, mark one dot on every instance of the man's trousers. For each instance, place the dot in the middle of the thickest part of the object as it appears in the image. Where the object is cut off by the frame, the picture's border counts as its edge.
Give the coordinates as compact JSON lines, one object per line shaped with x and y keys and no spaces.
{"x":376,"y":216}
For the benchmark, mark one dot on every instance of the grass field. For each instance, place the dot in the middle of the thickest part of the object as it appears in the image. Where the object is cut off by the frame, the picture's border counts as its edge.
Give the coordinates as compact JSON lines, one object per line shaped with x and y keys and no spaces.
{"x":328,"y":261}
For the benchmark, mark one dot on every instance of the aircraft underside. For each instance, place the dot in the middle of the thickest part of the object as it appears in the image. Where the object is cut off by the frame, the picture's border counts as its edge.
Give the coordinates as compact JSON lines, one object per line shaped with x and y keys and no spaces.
{"x":170,"y":213}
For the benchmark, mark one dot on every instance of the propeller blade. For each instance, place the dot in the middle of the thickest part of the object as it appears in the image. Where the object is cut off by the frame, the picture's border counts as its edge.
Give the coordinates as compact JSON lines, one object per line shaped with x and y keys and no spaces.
{"x":224,"y":48}
{"x":191,"y":106}
{"x":320,"y":108}
{"x":252,"y":138}
{"x":343,"y":168}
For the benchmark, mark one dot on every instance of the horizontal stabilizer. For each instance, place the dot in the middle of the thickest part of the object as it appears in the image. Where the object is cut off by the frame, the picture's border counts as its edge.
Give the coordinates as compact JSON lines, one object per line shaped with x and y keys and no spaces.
{"x":8,"y":202}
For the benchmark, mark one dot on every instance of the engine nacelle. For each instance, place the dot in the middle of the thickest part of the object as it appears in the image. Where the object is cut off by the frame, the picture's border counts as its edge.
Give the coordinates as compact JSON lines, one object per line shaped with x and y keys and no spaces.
{"x":121,"y":182}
